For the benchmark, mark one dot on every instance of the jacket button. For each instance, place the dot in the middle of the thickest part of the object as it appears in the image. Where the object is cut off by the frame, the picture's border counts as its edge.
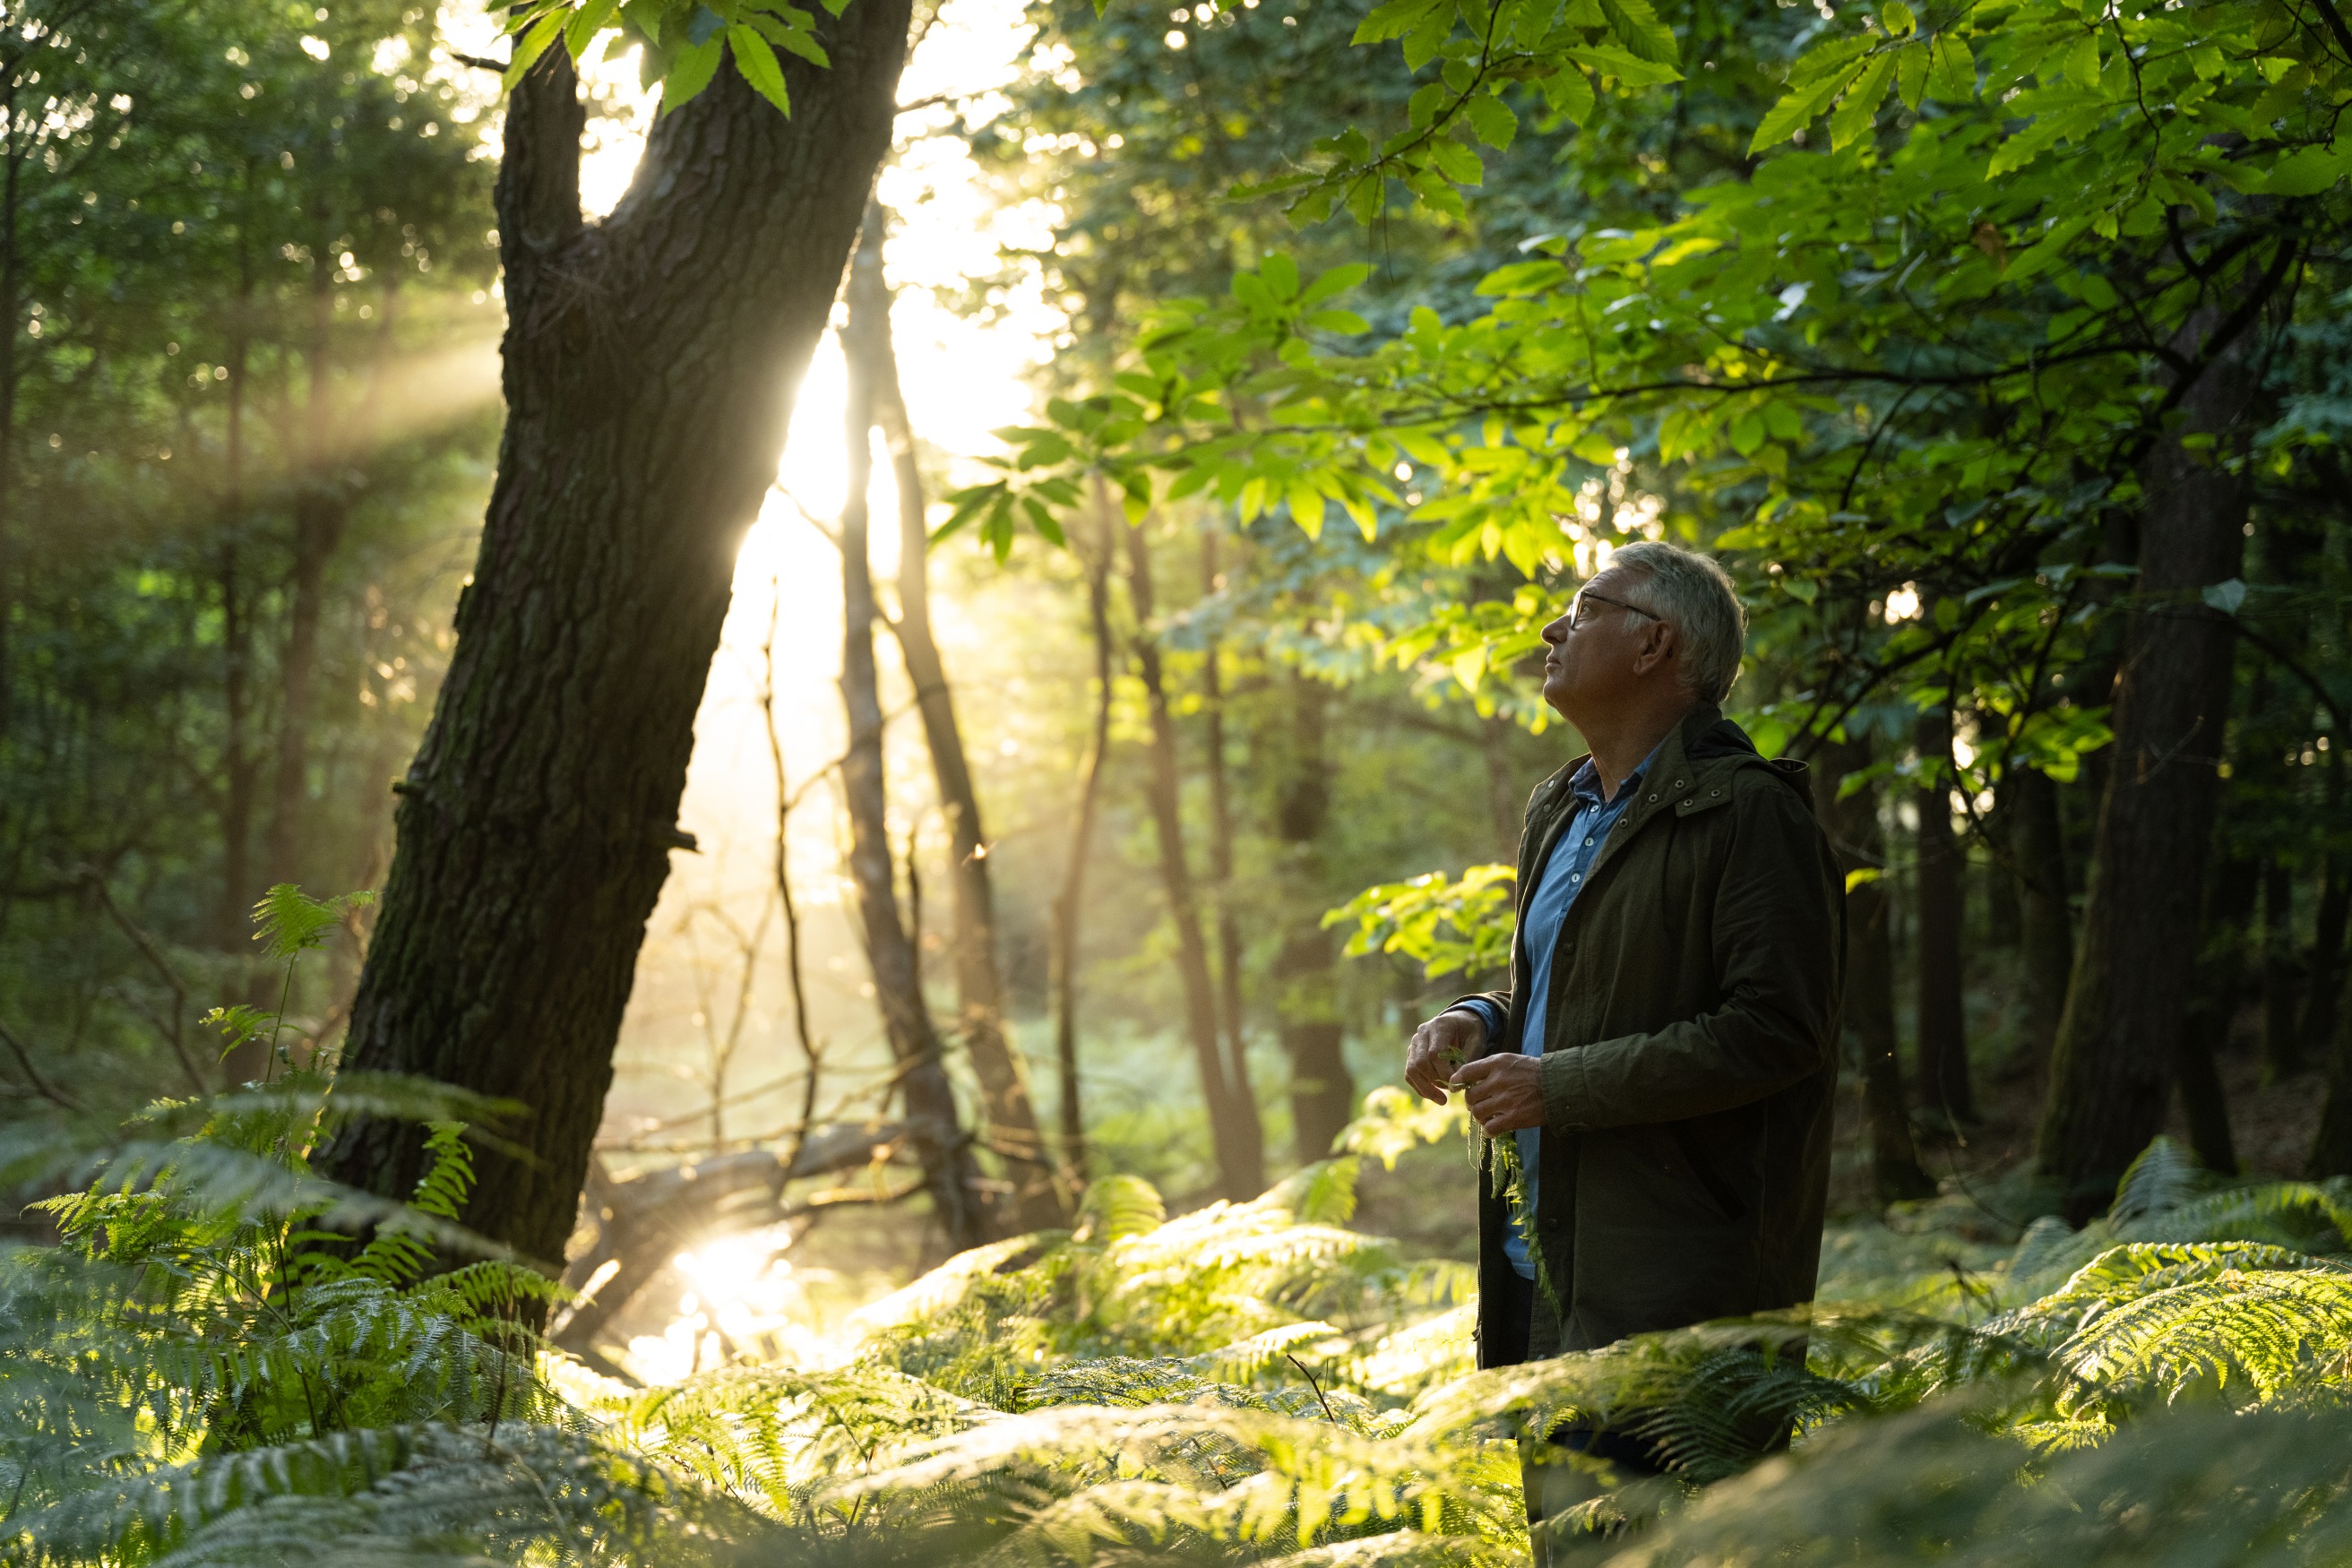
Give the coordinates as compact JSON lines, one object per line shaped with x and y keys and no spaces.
{"x":1714,"y":792}
{"x":1653,"y":797}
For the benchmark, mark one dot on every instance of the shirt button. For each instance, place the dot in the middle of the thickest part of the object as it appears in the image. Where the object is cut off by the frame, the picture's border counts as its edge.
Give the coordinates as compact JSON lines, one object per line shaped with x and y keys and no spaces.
{"x":1588,"y":844}
{"x":1577,"y":877}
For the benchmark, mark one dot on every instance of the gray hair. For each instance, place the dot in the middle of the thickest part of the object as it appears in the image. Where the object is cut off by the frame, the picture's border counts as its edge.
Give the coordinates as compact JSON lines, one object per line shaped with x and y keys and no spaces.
{"x":1695,"y":596}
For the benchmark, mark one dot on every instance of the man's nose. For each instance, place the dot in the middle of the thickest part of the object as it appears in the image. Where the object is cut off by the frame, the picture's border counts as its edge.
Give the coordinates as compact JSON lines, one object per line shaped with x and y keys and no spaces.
{"x":1556,"y":632}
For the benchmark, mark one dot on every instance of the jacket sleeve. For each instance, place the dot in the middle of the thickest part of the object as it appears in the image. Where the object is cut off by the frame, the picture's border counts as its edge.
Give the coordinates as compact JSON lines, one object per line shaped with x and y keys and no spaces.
{"x":1778,"y":935}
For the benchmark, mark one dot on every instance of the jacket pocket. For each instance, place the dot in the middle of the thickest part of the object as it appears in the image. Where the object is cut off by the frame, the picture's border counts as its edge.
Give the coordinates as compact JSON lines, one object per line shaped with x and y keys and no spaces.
{"x":1726,"y":1197}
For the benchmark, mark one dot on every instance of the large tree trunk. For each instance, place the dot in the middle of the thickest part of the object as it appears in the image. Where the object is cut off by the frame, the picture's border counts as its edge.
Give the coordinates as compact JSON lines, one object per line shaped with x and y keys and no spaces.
{"x":1066,"y":902}
{"x":1011,"y":1116}
{"x":1322,"y":1091}
{"x":649,"y":367}
{"x":2112,"y":1070}
{"x":1233,"y":1110}
{"x":1941,"y":1014}
{"x":2046,"y":930}
{"x":931,"y":1120}
{"x":1852,"y":822}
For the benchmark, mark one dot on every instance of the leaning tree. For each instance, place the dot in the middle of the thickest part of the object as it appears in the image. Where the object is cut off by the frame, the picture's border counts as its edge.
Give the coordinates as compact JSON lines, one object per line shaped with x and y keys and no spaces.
{"x":650,"y":363}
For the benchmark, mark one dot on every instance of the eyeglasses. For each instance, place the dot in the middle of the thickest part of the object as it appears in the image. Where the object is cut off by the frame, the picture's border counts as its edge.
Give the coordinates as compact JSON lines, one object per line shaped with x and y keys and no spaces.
{"x":1576,"y":607}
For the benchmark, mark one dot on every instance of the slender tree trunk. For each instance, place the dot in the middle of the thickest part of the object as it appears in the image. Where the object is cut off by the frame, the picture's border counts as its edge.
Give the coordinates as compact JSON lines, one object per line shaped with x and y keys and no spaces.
{"x":2232,"y":892}
{"x":319,"y":513}
{"x":795,"y":967}
{"x":2331,"y":1149}
{"x":1221,"y":840}
{"x":649,"y":363}
{"x":2046,"y":930}
{"x":2282,"y":1045}
{"x":931,"y":1120}
{"x":2319,"y":1020}
{"x":1066,"y":904}
{"x":1942,"y":1018}
{"x":2121,"y":1035}
{"x":1322,"y":1091}
{"x":239,"y":767}
{"x":1011,"y":1116}
{"x":1853,"y":821}
{"x":1232,"y":1112}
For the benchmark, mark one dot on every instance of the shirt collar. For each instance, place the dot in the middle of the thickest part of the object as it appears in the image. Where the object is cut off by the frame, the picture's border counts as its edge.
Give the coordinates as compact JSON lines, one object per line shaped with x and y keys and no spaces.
{"x":1585,"y":785}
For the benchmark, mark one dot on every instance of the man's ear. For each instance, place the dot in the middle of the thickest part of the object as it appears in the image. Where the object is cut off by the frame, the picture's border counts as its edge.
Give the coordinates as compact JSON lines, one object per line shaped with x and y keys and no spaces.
{"x":1661,"y":642}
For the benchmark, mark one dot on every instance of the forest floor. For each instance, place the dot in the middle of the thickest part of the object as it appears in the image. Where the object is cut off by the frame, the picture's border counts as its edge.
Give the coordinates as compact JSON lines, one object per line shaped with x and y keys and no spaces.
{"x":1427,"y":1204}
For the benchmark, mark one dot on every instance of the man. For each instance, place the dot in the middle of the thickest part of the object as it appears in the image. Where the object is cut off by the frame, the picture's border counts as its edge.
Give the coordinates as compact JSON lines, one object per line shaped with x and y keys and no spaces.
{"x":1665,"y":1054}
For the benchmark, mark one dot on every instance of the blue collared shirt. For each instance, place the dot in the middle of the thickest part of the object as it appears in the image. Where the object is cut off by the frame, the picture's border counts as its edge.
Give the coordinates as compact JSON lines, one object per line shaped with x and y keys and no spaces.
{"x":1558,"y":882}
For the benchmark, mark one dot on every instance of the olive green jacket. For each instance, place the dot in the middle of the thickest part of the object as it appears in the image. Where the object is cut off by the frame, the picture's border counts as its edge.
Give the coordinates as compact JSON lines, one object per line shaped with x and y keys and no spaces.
{"x":1691,"y":1054}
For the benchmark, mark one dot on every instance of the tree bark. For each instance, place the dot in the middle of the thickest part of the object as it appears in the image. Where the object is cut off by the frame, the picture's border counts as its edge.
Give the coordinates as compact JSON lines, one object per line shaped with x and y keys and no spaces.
{"x":1066,"y":902}
{"x":1011,"y":1116}
{"x":1941,"y":1015}
{"x":649,"y":363}
{"x":2281,"y":1044}
{"x":2331,"y":1148}
{"x":2232,"y":892}
{"x":1322,"y":1091}
{"x":1853,"y":821}
{"x":1233,"y":1112}
{"x":2318,"y":1021}
{"x":2121,"y":1033}
{"x":1220,"y":837}
{"x":931,"y":1119}
{"x":2046,"y":928}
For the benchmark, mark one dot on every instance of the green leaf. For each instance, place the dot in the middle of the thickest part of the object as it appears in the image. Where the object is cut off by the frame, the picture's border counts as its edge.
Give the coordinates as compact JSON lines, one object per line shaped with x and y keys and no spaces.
{"x":1458,"y":163}
{"x":692,"y":72}
{"x":1911,"y":74}
{"x":1569,"y":94}
{"x":1338,"y":280}
{"x":1897,"y":19}
{"x":1281,"y":275}
{"x":2083,"y":61}
{"x":530,"y":46}
{"x":1628,"y":68}
{"x":1857,"y":113}
{"x":2309,"y":172}
{"x":1638,"y":28}
{"x":2225,"y":597}
{"x":1952,"y":71}
{"x":1493,"y":120}
{"x":586,"y":23}
{"x":758,"y":64}
{"x":1792,"y":113}
{"x":1395,"y":18}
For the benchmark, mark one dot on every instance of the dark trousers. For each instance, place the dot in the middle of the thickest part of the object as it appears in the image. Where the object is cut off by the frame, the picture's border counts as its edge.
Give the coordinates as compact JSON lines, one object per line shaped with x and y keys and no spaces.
{"x":1552,"y":1487}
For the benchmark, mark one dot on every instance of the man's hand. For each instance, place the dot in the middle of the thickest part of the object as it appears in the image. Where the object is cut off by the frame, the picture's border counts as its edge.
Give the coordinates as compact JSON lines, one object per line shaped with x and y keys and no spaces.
{"x":1439,"y":1046}
{"x":1505,"y":1092}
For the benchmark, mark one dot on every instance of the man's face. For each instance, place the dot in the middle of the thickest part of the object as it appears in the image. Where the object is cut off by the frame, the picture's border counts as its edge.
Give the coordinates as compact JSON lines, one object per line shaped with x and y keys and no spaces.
{"x":1597,"y":653}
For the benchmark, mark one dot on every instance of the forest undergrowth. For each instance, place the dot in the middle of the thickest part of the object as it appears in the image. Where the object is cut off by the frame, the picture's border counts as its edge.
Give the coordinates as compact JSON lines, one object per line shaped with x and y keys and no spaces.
{"x":216,"y":1367}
